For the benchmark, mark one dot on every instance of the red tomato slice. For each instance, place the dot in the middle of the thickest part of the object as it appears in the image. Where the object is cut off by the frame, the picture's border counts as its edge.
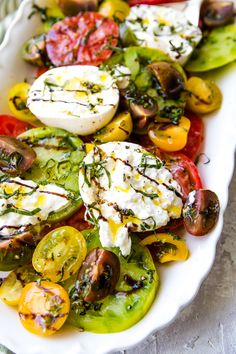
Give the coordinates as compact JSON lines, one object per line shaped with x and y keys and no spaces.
{"x":40,"y":71}
{"x":184,"y":171}
{"x":150,"y":2}
{"x":82,"y":39}
{"x":78,"y":221}
{"x":11,"y":126}
{"x":172,"y":225}
{"x":195,"y":137}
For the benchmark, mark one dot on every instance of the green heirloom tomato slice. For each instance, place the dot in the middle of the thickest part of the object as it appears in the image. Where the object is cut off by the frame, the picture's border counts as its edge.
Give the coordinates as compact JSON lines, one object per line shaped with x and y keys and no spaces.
{"x":58,"y":157}
{"x":60,"y":253}
{"x":137,"y":60}
{"x":147,"y":56}
{"x":127,"y":36}
{"x":143,"y":79}
{"x":127,"y":305}
{"x":59,"y":154}
{"x":218,"y":49}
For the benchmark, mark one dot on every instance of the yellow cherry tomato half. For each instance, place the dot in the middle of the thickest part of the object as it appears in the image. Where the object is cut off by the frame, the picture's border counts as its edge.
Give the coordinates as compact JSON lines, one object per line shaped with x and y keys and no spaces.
{"x":43,"y":307}
{"x":114,"y":9}
{"x":60,"y":253}
{"x":170,"y":137}
{"x":119,"y":129}
{"x":12,"y":286}
{"x":10,"y":290}
{"x":17,"y":101}
{"x":169,"y":247}
{"x":204,"y":95}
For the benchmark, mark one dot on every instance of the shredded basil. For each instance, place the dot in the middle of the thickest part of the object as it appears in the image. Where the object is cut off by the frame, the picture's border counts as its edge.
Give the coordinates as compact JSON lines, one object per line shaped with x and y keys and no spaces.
{"x":12,"y":209}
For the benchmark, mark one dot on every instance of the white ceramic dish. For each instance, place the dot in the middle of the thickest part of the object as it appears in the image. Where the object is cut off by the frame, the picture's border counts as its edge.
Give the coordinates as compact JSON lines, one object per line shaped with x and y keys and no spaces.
{"x":179,"y":282}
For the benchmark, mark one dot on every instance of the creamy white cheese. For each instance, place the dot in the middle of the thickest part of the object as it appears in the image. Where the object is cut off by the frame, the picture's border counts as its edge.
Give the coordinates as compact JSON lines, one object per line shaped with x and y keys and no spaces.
{"x":81,"y":99}
{"x":121,"y":75}
{"x":126,"y":188}
{"x":164,"y":28}
{"x":24,"y":203}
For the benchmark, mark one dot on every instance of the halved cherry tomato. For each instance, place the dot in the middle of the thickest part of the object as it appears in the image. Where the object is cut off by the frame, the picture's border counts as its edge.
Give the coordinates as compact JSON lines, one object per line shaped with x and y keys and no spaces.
{"x":16,"y":157}
{"x":195,"y":136}
{"x":114,"y":9}
{"x":168,"y":136}
{"x":11,"y":126}
{"x":60,"y":253}
{"x":166,"y":247}
{"x":98,"y":275}
{"x":43,"y":307}
{"x":150,"y":2}
{"x":10,"y":290}
{"x":119,"y":129}
{"x":201,"y":212}
{"x":17,"y":101}
{"x":12,"y":286}
{"x":184,"y":171}
{"x":204,"y":95}
{"x":82,"y":39}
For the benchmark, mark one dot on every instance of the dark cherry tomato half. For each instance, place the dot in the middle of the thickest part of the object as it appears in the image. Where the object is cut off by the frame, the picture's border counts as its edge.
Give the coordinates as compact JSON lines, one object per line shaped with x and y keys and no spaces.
{"x":98,"y":275}
{"x":16,"y":157}
{"x":83,"y":39}
{"x":11,"y":126}
{"x":195,"y":137}
{"x":201,"y":212}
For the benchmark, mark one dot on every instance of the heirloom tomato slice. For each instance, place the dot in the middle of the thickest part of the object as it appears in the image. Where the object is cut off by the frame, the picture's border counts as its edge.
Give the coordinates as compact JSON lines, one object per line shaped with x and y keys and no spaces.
{"x":85,"y":39}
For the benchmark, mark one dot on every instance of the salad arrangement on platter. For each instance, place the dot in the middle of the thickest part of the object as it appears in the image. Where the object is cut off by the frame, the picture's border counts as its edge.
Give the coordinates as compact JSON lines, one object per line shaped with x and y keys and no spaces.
{"x":97,"y":164}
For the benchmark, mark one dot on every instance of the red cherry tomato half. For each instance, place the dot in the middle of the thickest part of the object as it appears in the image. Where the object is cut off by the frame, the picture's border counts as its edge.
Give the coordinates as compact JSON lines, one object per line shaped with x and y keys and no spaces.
{"x":195,"y":137}
{"x":150,"y":2}
{"x":11,"y":126}
{"x":184,"y":171}
{"x":82,"y":39}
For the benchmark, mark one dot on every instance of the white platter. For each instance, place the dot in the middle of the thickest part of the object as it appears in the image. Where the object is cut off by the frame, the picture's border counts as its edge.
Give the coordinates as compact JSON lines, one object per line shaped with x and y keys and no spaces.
{"x":179,"y":282}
